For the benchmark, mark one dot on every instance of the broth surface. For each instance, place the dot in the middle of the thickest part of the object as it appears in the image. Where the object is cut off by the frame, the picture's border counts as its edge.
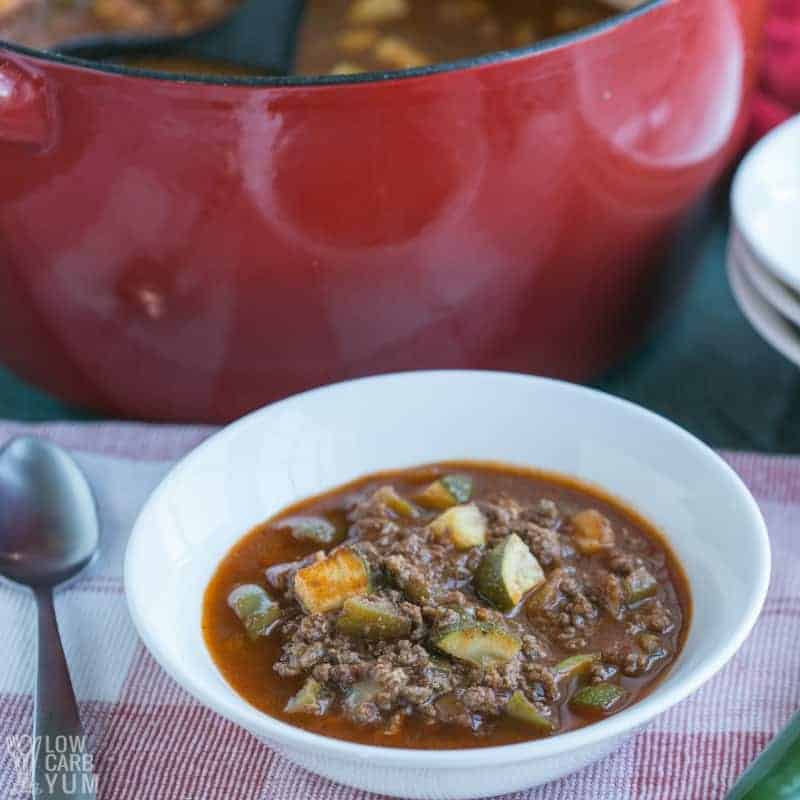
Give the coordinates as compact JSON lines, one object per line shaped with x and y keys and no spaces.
{"x":336,"y":36}
{"x":248,"y":666}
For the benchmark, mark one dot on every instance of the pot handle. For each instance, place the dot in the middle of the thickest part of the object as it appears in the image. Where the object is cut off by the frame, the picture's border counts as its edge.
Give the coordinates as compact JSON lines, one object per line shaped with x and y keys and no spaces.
{"x":26,"y":105}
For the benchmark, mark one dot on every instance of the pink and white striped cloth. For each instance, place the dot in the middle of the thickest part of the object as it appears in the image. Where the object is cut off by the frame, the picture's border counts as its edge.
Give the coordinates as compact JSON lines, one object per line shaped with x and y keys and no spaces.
{"x":153,"y":742}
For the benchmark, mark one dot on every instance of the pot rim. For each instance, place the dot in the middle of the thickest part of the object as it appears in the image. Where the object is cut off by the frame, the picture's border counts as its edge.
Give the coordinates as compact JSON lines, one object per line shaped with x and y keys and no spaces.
{"x":309,"y":81}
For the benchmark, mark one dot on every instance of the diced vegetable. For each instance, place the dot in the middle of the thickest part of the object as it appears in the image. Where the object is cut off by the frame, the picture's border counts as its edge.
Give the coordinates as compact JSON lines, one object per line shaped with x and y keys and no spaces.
{"x":576,"y":665}
{"x":311,"y":699}
{"x":481,"y":644}
{"x":410,"y":582}
{"x":548,"y":595}
{"x":519,"y":707}
{"x":459,"y":486}
{"x":357,"y":40}
{"x":393,"y":501}
{"x":255,"y":608}
{"x":314,"y":529}
{"x":592,"y":532}
{"x":639,"y":585}
{"x":372,"y":618}
{"x":363,"y":692}
{"x":614,"y":596}
{"x":365,"y":12}
{"x":325,"y":585}
{"x":649,"y":643}
{"x":416,"y":590}
{"x":446,"y":492}
{"x":464,"y":525}
{"x":599,"y":698}
{"x":347,"y":68}
{"x":399,"y":53}
{"x":507,"y":572}
{"x":451,"y":708}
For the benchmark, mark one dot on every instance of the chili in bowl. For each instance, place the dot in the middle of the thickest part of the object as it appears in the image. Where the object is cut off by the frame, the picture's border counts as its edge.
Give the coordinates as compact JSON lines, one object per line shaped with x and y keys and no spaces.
{"x":561,"y":568}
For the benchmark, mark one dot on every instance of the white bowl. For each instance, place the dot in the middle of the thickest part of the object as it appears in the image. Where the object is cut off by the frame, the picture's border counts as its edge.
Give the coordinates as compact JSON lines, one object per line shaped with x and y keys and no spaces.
{"x":765,"y":199}
{"x":326,"y":437}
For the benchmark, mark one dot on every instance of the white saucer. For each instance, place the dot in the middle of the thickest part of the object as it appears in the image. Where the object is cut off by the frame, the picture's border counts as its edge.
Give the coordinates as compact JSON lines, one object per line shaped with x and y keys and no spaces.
{"x":766,"y":202}
{"x":775,"y":329}
{"x":775,"y":292}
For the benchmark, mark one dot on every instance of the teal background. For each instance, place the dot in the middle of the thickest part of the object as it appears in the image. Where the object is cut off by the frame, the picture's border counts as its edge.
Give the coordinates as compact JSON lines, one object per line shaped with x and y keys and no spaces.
{"x":705,"y":368}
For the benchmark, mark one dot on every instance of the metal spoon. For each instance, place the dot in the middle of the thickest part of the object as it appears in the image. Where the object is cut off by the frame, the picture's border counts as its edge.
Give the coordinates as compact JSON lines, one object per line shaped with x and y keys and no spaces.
{"x":48,"y":533}
{"x":257,"y":34}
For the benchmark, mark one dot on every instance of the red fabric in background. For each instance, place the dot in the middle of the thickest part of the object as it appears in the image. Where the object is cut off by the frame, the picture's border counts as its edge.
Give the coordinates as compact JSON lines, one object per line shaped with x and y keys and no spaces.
{"x":779,"y":92}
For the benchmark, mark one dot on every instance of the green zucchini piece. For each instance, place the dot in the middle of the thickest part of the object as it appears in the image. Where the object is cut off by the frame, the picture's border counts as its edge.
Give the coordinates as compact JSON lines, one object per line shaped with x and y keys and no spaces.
{"x":326,"y":584}
{"x":482,"y":644}
{"x":255,"y":608}
{"x":639,"y":585}
{"x":363,"y":692}
{"x":319,"y":530}
{"x":388,"y":497}
{"x":446,"y":492}
{"x":576,"y":665}
{"x":465,"y":526}
{"x":599,"y":698}
{"x":519,"y":707}
{"x":373,"y":619}
{"x":417,"y":591}
{"x":309,"y":700}
{"x":547,"y":595}
{"x":507,"y":572}
{"x":592,"y":532}
{"x":459,"y":486}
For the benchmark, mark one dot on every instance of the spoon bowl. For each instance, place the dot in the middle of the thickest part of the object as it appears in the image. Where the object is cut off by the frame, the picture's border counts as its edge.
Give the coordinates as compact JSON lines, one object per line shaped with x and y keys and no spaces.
{"x":49,"y":530}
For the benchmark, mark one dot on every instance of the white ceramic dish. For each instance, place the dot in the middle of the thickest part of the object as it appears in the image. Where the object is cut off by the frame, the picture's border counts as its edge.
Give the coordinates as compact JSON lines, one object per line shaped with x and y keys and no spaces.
{"x":774,"y":328}
{"x":766,"y":201}
{"x":326,"y":437}
{"x":784,"y":299}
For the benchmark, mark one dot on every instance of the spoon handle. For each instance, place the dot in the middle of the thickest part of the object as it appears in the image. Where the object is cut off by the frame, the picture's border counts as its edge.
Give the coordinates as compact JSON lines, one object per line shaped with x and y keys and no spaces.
{"x":62,"y":765}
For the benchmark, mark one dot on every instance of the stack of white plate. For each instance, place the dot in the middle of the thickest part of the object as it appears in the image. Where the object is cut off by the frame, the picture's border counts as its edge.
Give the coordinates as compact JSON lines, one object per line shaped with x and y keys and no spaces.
{"x":764,"y":249}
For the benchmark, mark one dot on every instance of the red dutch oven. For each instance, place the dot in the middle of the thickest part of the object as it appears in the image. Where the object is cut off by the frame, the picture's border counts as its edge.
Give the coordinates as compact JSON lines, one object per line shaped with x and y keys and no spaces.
{"x":191,"y":249}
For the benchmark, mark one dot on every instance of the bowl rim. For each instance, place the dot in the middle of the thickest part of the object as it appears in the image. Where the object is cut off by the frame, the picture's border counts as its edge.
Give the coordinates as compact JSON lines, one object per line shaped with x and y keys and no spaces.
{"x":788,"y":130}
{"x":625,"y":722}
{"x":309,"y":81}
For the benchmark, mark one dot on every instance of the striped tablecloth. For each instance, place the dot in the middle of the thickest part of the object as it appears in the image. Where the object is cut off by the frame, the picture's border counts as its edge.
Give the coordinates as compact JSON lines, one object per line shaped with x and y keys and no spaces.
{"x":153,"y":742}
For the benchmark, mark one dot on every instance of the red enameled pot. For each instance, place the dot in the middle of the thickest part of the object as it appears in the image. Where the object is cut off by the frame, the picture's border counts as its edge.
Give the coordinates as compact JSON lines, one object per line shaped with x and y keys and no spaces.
{"x":191,"y":249}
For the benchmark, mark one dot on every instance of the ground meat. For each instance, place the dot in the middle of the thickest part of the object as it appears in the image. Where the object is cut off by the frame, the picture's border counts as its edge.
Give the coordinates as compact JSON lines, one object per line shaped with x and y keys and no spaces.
{"x":544,"y":543}
{"x":567,"y":615}
{"x":431,"y":583}
{"x":534,"y":648}
{"x":481,"y":699}
{"x":655,"y":617}
{"x":500,"y":509}
{"x":610,"y":589}
{"x":630,"y":660}
{"x":621,"y":563}
{"x":544,"y":513}
{"x":451,"y":710}
{"x":366,"y":713}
